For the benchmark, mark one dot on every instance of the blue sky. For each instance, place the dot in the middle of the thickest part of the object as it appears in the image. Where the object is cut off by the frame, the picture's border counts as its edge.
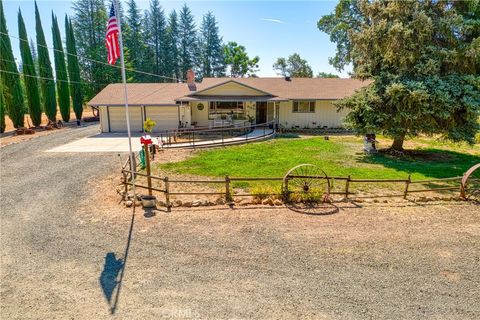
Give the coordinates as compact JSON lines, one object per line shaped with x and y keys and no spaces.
{"x":269,"y":29}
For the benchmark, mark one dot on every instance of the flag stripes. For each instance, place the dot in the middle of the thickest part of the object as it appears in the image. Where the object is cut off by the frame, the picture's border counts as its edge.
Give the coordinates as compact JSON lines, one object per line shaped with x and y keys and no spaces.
{"x":111,"y":40}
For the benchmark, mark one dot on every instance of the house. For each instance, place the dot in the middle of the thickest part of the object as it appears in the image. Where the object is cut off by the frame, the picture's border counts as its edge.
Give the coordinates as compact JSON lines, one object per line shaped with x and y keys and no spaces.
{"x":289,"y":102}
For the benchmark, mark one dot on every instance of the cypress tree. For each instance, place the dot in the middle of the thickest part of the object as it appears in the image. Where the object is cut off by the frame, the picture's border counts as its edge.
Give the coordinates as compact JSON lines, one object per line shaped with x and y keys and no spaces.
{"x":29,"y":74}
{"x":10,"y":77}
{"x":155,"y":26}
{"x":74,"y":71}
{"x":2,"y":110}
{"x":61,"y":72}
{"x":47,"y":84}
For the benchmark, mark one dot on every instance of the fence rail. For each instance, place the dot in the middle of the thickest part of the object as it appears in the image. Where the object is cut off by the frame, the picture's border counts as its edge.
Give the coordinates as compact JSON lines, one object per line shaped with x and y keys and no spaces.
{"x":346,"y":189}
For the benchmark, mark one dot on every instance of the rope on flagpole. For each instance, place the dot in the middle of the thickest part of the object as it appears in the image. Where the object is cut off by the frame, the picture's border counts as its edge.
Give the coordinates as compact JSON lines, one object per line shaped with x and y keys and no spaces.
{"x":124,"y":80}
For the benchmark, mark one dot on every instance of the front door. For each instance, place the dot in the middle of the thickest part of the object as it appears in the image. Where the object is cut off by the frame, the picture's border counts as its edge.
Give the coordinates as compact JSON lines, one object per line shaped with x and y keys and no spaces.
{"x":261,"y":113}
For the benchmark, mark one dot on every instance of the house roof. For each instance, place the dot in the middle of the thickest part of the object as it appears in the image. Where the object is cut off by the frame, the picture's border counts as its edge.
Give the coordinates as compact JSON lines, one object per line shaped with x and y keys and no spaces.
{"x":277,"y":88}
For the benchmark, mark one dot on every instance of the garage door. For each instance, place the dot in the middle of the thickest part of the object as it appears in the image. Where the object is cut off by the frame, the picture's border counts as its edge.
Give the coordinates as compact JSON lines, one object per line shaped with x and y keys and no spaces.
{"x":118,"y":120}
{"x":165,"y":117}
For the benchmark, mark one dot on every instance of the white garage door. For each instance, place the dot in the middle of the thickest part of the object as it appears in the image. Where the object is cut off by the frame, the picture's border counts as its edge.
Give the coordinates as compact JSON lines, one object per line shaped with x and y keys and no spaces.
{"x":165,"y":117}
{"x":118,"y":120}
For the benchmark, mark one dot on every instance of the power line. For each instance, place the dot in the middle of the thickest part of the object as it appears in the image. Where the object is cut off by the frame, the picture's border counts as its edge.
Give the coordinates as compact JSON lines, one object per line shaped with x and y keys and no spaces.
{"x":35,"y":66}
{"x":100,"y":62}
{"x":44,"y":78}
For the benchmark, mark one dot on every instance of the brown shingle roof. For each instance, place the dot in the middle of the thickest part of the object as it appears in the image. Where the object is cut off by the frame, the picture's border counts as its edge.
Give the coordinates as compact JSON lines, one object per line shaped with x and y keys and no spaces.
{"x":169,"y":93}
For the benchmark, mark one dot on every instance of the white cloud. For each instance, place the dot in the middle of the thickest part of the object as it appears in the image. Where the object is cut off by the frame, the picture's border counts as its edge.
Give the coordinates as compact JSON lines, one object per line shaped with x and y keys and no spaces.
{"x":273,"y":20}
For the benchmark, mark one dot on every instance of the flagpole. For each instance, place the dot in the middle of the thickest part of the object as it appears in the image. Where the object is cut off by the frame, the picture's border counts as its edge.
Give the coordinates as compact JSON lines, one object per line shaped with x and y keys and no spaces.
{"x":124,"y":80}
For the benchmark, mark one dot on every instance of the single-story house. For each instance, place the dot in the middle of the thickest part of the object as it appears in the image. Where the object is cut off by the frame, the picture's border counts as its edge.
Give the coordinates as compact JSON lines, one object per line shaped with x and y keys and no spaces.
{"x":289,"y":102}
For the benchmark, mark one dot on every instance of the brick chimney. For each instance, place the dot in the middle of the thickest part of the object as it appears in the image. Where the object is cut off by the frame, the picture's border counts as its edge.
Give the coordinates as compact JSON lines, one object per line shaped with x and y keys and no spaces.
{"x":190,"y":76}
{"x":191,"y":80}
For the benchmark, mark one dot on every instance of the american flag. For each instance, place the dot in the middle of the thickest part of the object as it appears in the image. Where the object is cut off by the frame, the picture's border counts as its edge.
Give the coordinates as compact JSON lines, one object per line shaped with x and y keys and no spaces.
{"x":111,"y":40}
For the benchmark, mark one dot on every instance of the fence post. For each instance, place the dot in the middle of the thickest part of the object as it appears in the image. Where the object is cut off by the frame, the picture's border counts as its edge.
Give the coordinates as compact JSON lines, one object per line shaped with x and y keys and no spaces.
{"x":193,"y":138}
{"x":407,"y":183}
{"x":167,"y":194}
{"x":125,"y":197}
{"x":149,"y":177}
{"x":347,"y":186}
{"x":222,"y":136}
{"x":228,"y":196}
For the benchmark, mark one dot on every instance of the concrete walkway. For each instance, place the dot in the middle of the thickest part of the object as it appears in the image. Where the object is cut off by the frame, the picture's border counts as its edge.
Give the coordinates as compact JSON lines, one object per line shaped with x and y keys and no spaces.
{"x":118,"y":142}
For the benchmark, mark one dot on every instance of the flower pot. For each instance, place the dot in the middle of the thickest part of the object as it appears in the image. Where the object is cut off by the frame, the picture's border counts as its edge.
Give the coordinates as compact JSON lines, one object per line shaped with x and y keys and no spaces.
{"x":149,"y":201}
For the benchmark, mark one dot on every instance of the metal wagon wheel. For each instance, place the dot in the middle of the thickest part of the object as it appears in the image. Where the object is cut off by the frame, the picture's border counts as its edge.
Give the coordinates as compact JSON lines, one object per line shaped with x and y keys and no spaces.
{"x":307,"y":181}
{"x":471,"y":183}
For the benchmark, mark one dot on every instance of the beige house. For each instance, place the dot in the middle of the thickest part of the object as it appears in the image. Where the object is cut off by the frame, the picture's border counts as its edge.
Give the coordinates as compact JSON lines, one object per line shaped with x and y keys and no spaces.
{"x":288,"y":102}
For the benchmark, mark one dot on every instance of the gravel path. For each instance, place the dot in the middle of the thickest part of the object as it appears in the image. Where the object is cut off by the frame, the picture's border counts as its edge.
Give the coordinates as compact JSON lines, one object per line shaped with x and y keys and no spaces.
{"x":66,"y":251}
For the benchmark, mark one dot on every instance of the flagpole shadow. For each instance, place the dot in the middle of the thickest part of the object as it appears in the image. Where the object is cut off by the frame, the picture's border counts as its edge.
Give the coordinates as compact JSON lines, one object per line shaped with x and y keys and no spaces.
{"x":113,"y":272}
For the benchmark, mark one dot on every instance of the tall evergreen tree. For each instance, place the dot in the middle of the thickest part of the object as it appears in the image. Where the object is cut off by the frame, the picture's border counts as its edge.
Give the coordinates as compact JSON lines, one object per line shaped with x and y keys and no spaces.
{"x":211,"y":49}
{"x":89,"y":22}
{"x":61,"y":72}
{"x":172,"y":63}
{"x":156,"y":37}
{"x":12,"y":88}
{"x":2,"y":110}
{"x":134,"y":41}
{"x":47,"y":84}
{"x":73,"y":70}
{"x":29,"y":74}
{"x":187,"y":35}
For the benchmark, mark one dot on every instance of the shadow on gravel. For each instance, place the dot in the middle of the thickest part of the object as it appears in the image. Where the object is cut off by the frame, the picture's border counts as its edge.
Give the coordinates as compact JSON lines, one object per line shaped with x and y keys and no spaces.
{"x":320,"y":209}
{"x":113,"y":271}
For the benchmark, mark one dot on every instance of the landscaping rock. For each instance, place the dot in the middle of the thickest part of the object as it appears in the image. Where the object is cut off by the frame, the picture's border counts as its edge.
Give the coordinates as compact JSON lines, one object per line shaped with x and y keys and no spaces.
{"x":277,"y":202}
{"x":220,"y":201}
{"x":187,"y":204}
{"x":196,"y":203}
{"x":128,"y":203}
{"x":267,"y":201}
{"x":210,"y":203}
{"x":422,"y":199}
{"x":177,"y":203}
{"x":161,"y":203}
{"x":244,"y":202}
{"x":256,"y":201}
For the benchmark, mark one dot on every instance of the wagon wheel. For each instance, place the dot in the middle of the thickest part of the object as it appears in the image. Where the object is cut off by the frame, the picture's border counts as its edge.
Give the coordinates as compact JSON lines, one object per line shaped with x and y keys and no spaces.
{"x":307,"y":182}
{"x":471,"y":183}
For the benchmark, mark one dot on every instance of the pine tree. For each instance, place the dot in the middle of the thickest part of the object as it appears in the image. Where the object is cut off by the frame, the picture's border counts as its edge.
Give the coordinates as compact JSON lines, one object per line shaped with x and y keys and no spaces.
{"x":172,"y":62}
{"x":187,"y":40}
{"x":89,"y":22}
{"x":29,"y":74}
{"x":47,"y":84}
{"x":12,"y":88}
{"x":156,"y":37}
{"x":73,"y":70}
{"x":61,"y":72}
{"x":2,"y":110}
{"x":211,"y":49}
{"x":134,"y":41}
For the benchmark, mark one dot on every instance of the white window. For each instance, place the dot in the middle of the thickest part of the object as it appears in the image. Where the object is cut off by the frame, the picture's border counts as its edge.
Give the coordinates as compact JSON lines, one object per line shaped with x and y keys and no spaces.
{"x":303,"y":106}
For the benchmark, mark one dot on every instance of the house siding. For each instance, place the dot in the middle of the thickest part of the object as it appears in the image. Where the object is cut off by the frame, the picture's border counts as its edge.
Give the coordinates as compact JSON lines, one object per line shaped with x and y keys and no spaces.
{"x":200,"y":116}
{"x":325,"y":115}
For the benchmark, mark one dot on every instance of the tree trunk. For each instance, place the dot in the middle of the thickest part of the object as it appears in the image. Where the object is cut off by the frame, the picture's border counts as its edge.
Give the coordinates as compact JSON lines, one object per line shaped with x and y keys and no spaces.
{"x":398,"y":142}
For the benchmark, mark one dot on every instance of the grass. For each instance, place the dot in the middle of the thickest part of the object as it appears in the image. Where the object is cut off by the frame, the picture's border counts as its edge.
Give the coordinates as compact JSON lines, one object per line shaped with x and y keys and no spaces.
{"x":339,"y":156}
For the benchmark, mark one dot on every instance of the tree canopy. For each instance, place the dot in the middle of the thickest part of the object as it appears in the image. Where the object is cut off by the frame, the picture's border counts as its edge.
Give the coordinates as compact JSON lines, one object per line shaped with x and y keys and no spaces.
{"x":327,"y":75}
{"x":238,"y":61}
{"x":293,"y":66}
{"x":423,"y":58}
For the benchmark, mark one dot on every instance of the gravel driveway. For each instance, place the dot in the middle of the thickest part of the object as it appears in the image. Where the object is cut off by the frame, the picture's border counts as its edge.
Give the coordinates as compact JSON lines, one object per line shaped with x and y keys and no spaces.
{"x":66,"y":250}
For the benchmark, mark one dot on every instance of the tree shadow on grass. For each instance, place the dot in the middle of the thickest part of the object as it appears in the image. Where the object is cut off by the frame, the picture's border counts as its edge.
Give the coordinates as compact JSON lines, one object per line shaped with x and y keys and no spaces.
{"x":434,"y":163}
{"x":113,"y":271}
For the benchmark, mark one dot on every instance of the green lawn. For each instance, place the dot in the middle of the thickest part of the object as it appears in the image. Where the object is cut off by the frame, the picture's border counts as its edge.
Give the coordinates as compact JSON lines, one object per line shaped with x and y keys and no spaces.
{"x":339,"y":156}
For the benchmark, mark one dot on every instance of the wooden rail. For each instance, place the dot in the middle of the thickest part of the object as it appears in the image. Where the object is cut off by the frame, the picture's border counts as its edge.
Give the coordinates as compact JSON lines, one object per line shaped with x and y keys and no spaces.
{"x":229,"y":195}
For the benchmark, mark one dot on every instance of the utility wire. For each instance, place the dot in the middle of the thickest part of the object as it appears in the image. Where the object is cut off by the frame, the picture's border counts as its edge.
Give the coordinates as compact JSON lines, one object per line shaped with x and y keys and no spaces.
{"x":38,"y":77}
{"x":100,"y":62}
{"x":35,"y":66}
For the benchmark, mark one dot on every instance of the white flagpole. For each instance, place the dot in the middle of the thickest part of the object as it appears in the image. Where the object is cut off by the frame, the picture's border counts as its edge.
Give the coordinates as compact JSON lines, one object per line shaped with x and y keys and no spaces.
{"x":124,"y":80}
